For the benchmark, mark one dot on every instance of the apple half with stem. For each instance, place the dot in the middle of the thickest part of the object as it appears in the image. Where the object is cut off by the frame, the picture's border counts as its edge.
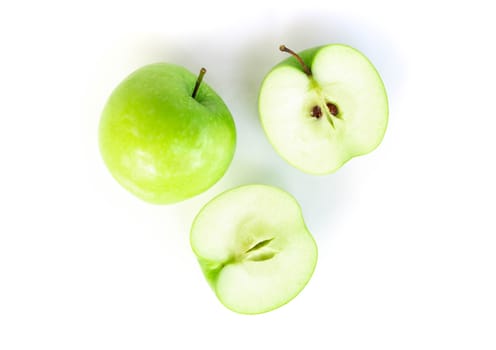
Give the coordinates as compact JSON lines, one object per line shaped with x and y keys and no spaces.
{"x":254,"y":248}
{"x":164,"y":135}
{"x":322,"y":107}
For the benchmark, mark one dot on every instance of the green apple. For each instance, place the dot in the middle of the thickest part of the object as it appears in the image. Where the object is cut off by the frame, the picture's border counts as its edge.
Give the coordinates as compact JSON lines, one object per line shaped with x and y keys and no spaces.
{"x":254,"y":248}
{"x":322,"y":107}
{"x":164,"y":135}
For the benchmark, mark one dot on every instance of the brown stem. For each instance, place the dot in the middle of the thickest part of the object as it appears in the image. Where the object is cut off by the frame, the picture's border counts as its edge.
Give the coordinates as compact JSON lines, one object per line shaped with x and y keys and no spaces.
{"x":306,"y":68}
{"x":198,"y":81}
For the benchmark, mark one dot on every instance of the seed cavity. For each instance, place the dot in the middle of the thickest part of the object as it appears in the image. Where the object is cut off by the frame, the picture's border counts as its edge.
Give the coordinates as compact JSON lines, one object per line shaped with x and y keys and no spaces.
{"x":260,"y":251}
{"x":260,"y":244}
{"x":263,"y":255}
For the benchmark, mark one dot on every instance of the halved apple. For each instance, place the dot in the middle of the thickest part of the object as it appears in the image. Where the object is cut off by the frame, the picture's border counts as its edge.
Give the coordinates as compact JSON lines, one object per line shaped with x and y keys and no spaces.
{"x":254,"y":248}
{"x":323,"y":106}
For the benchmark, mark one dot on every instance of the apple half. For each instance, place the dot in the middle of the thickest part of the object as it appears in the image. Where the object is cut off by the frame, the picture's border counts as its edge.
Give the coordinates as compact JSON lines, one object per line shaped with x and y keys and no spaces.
{"x":322,"y":107}
{"x":254,"y":248}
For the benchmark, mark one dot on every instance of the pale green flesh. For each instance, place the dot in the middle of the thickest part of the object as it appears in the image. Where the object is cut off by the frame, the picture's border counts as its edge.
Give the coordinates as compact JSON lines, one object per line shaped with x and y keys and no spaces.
{"x":159,"y":142}
{"x":254,"y":248}
{"x":340,"y":75}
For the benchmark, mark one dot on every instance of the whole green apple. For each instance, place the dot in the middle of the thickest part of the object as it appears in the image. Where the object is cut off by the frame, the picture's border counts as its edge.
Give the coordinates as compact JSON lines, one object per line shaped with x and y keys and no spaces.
{"x":164,"y":135}
{"x":323,"y":106}
{"x":254,"y":248}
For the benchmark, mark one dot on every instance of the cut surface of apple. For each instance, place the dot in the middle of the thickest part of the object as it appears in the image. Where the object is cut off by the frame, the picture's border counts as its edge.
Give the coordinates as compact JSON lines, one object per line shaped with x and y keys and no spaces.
{"x":319,"y":119}
{"x":254,"y":248}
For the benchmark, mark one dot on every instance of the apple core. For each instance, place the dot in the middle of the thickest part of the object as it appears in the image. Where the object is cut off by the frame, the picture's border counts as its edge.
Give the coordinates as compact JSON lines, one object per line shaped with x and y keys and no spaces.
{"x":316,"y":111}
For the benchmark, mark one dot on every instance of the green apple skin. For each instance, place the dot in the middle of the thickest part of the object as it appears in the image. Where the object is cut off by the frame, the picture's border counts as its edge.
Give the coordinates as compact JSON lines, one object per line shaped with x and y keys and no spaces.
{"x":159,"y":142}
{"x":254,"y":248}
{"x":341,"y":75}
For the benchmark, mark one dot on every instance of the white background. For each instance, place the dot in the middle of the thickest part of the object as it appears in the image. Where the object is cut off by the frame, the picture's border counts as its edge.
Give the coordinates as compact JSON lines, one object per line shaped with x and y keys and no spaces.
{"x":406,"y":235}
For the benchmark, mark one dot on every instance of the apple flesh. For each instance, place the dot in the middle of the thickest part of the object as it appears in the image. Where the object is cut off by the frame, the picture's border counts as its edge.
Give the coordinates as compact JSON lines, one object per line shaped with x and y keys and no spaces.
{"x":321,"y":116}
{"x":162,"y":143}
{"x":254,"y":248}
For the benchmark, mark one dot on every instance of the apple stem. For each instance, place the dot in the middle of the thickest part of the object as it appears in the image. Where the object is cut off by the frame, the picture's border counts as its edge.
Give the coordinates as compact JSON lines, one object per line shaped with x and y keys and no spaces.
{"x":198,"y":81}
{"x":306,"y":68}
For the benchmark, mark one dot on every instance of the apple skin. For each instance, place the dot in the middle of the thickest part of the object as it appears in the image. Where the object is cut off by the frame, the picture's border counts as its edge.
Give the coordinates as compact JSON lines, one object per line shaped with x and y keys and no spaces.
{"x":378,"y":130}
{"x":159,"y":142}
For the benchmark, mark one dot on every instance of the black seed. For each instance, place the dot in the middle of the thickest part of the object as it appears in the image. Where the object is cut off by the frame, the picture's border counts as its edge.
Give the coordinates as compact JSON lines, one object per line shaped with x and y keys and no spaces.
{"x":332,"y":108}
{"x":316,"y":112}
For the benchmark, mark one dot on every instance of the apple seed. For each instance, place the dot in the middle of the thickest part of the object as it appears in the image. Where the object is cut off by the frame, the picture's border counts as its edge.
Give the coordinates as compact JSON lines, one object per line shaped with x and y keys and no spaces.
{"x":316,"y":112}
{"x":332,"y":108}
